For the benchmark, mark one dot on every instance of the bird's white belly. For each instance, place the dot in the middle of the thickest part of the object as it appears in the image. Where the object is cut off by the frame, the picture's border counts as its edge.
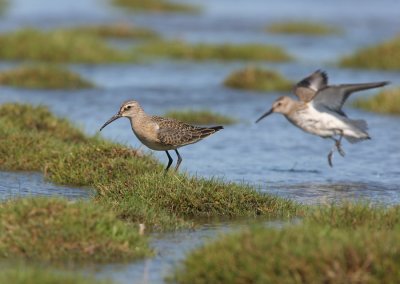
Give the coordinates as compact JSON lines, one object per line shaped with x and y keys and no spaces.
{"x":319,"y":123}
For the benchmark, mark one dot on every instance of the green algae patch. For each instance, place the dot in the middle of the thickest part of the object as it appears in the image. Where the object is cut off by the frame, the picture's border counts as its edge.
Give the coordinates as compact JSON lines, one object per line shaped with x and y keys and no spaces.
{"x":384,"y":56}
{"x":159,"y":6}
{"x":200,"y":117}
{"x":202,"y":51}
{"x":121,"y":31}
{"x":387,"y":102}
{"x":303,"y":28}
{"x":43,"y":77}
{"x":130,"y":184}
{"x":57,"y":230}
{"x":296,"y":254}
{"x":24,"y":273}
{"x":58,"y":46}
{"x":254,"y":78}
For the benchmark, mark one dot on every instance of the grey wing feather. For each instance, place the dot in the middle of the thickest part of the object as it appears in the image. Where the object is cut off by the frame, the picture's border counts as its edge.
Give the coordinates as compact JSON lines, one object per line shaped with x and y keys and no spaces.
{"x":333,"y":97}
{"x":306,"y":88}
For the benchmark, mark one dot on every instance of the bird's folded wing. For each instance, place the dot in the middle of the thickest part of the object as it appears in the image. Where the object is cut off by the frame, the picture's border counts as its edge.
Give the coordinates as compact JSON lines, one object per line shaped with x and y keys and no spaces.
{"x":177,"y":137}
{"x":306,"y":89}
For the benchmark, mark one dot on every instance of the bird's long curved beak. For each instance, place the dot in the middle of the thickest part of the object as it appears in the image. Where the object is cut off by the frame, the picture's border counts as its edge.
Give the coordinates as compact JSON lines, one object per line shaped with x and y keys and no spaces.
{"x":265,"y":114}
{"x":114,"y":117}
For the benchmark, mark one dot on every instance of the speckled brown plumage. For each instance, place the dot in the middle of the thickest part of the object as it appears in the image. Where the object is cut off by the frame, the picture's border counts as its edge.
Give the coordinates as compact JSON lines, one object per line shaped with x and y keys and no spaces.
{"x":175,"y":133}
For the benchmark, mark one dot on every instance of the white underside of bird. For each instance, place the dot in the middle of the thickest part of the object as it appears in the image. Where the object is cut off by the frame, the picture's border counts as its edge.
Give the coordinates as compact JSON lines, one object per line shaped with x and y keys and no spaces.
{"x":329,"y":124}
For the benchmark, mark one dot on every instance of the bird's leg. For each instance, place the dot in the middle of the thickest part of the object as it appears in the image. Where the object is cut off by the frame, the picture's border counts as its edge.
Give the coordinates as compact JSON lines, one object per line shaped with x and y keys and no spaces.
{"x":179,"y":160}
{"x":338,"y":144}
{"x":170,"y":160}
{"x":330,"y":155}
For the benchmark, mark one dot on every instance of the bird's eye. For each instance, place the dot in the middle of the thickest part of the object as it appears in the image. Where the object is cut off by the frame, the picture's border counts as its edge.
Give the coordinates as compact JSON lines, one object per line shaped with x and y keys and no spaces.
{"x":128,"y":107}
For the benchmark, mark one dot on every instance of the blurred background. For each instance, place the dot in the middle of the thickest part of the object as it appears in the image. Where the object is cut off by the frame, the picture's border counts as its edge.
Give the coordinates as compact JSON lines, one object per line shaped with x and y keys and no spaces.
{"x":82,"y":59}
{"x":229,"y":60}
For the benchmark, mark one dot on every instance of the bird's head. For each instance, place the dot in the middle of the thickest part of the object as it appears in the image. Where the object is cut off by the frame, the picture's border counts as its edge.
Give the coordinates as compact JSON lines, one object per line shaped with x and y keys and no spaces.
{"x":127,"y":109}
{"x":281,"y":105}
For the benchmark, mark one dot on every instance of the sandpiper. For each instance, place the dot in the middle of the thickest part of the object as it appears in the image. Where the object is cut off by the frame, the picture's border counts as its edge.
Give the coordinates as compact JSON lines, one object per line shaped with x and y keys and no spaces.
{"x":159,"y":133}
{"x":319,"y":110}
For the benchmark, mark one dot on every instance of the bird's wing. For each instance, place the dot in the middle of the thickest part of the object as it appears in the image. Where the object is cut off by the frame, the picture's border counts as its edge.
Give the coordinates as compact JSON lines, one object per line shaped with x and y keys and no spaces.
{"x":176,"y":137}
{"x":333,"y":97}
{"x":306,"y":89}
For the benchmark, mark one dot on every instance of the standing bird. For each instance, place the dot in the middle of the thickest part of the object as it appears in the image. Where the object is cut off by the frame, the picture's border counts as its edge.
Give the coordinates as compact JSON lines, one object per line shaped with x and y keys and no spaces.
{"x":319,"y":110}
{"x":159,"y":133}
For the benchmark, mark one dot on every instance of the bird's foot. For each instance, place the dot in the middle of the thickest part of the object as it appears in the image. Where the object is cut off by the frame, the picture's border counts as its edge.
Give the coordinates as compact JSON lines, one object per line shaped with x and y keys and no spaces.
{"x":330,"y":155}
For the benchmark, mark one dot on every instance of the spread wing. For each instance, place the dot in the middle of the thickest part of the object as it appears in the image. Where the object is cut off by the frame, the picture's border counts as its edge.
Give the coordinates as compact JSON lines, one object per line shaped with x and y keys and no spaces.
{"x":333,"y":97}
{"x":306,"y":89}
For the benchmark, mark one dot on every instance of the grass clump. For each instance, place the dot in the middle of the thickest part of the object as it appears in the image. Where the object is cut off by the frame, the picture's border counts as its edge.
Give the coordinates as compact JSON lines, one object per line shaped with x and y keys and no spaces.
{"x":22,"y":274}
{"x":122,"y":31}
{"x":387,"y":102}
{"x":346,"y":243}
{"x":156,"y":6}
{"x":201,"y":117}
{"x":202,"y":51}
{"x":43,"y":77}
{"x":303,"y":28}
{"x":253,"y":78}
{"x":385,"y":56}
{"x":57,"y":230}
{"x":57,"y":46}
{"x":128,"y":183}
{"x":299,"y":254}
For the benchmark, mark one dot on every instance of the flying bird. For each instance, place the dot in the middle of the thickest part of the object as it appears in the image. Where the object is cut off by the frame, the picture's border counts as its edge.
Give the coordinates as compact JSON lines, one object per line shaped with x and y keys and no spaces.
{"x":318,"y":110}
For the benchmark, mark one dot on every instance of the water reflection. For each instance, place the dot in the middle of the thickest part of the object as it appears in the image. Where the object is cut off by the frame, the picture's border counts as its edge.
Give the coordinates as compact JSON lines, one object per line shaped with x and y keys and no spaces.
{"x":327,"y":193}
{"x":32,"y":184}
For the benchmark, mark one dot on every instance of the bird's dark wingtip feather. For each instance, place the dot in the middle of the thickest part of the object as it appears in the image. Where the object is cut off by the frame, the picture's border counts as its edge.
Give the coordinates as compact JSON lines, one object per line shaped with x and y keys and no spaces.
{"x":216,"y":128}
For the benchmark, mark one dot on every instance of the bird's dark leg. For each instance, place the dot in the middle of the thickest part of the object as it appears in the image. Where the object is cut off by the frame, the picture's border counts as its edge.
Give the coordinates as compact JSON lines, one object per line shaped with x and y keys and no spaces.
{"x":338,"y":144}
{"x":330,"y":154}
{"x":170,"y":160}
{"x":179,"y":160}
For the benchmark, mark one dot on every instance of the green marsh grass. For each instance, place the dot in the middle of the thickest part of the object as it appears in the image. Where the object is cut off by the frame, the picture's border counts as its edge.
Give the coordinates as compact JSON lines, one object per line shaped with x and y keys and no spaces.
{"x":58,"y":230}
{"x":24,"y":274}
{"x":342,"y":243}
{"x":200,"y":117}
{"x":201,"y":51}
{"x":58,"y":46}
{"x":387,"y":102}
{"x":130,"y":184}
{"x":296,"y":254}
{"x":254,"y":78}
{"x":156,"y":6}
{"x":384,"y":56}
{"x":122,"y":31}
{"x":303,"y":28}
{"x":43,"y":77}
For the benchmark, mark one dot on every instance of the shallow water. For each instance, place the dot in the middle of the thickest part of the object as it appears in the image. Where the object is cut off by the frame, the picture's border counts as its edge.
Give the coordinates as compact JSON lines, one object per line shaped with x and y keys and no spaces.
{"x":273,"y":154}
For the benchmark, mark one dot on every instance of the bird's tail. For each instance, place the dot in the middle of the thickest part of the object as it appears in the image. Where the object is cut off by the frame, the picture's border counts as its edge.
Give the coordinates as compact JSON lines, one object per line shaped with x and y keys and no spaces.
{"x":207,"y":131}
{"x":361,"y":128}
{"x":363,"y":86}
